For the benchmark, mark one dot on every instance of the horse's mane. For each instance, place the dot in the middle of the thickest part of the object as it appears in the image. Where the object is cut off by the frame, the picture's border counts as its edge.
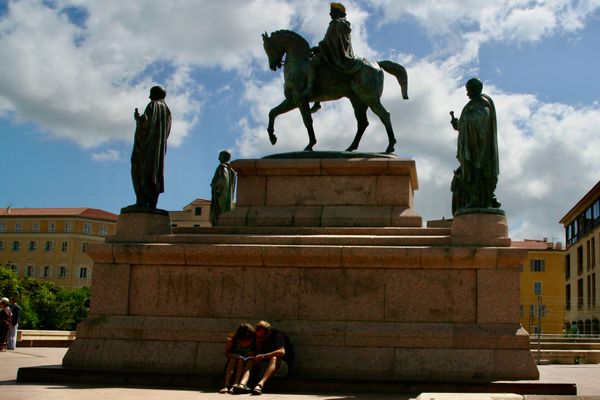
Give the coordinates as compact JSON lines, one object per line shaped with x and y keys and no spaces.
{"x":292,"y":35}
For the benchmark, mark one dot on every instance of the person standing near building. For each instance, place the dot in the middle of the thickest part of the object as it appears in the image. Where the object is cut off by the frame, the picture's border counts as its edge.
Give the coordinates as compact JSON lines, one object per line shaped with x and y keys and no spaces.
{"x":5,"y":318}
{"x":14,"y":325}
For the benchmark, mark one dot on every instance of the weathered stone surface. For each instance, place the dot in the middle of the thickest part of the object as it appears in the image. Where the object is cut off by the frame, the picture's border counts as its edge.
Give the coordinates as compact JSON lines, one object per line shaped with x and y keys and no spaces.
{"x":480,"y":230}
{"x":431,"y":296}
{"x":444,"y":364}
{"x":503,"y":307}
{"x":111,"y":284}
{"x":141,"y":227}
{"x":341,"y":294}
{"x":324,"y":192}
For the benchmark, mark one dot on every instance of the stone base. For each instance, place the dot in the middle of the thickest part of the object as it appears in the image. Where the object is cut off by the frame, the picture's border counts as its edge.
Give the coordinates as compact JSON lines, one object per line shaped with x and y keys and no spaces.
{"x":352,"y":308}
{"x":139,"y":225}
{"x":475,"y":229}
{"x":360,"y":192}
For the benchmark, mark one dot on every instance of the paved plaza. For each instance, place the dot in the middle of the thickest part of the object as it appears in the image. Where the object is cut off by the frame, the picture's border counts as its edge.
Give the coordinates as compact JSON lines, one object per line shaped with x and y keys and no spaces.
{"x":587,"y":378}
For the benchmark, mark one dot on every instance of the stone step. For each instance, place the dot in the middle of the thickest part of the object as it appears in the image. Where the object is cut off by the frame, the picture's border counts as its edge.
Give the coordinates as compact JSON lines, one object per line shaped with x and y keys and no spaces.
{"x":568,"y":356}
{"x":565,"y":346}
{"x":311,"y":240}
{"x":346,"y":231}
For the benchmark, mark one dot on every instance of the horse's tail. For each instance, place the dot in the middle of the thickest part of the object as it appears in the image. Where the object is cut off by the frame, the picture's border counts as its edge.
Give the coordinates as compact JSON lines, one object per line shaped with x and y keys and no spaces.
{"x":399,"y":72}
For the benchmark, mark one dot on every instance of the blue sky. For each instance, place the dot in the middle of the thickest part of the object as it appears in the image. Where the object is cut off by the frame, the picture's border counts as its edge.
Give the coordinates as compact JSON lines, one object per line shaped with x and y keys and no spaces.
{"x":72,"y":72}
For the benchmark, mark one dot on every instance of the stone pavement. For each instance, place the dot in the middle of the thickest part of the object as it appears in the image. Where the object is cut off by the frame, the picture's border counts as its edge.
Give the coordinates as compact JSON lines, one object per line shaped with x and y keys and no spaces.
{"x":587,"y":378}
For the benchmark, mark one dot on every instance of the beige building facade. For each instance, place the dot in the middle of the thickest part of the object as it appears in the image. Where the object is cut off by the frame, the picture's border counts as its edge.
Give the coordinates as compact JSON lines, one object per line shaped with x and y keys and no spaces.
{"x":194,"y":215}
{"x":50,"y":243}
{"x":542,"y":287}
{"x":582,"y":233}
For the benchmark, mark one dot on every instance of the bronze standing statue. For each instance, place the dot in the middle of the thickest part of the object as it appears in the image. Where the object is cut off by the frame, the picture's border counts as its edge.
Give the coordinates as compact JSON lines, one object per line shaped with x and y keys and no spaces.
{"x":222,"y":188}
{"x":474,"y":182}
{"x":149,"y":148}
{"x":330,"y":72}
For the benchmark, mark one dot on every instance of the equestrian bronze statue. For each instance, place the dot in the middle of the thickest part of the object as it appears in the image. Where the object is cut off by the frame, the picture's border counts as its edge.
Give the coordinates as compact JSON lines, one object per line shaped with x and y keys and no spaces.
{"x":362,"y":84}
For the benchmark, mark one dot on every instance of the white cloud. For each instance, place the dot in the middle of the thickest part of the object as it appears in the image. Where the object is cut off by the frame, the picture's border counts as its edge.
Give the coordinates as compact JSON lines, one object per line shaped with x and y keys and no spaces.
{"x":82,"y":81}
{"x":106,"y":155}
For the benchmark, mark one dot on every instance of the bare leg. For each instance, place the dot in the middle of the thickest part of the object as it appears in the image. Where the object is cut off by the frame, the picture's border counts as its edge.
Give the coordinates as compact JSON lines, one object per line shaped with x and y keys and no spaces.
{"x":384,"y":116}
{"x":228,"y":375}
{"x":308,"y":123}
{"x":360,"y":112}
{"x":285,"y":106}
{"x":239,"y":370}
{"x":269,"y":371}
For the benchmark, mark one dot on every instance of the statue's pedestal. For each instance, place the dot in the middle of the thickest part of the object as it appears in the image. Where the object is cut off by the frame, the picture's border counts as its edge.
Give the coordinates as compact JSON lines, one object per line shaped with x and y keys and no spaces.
{"x":324,"y":192}
{"x":138,"y":224}
{"x":381,"y":303}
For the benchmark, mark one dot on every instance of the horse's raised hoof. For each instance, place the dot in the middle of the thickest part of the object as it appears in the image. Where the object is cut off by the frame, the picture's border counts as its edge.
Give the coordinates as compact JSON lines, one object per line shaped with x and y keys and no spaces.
{"x":309,"y":147}
{"x":272,"y":138}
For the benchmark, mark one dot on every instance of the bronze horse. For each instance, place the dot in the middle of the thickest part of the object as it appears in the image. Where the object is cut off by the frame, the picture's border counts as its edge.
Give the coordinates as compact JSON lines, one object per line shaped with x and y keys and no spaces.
{"x":363,"y":88}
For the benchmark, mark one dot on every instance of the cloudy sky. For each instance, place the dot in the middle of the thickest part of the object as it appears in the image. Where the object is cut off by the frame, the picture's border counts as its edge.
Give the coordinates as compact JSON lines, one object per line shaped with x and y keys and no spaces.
{"x":72,"y":72}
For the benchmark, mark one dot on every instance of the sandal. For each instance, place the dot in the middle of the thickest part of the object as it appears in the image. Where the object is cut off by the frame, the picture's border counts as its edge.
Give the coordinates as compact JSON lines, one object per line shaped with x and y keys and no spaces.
{"x":240,"y":388}
{"x":224,"y":390}
{"x":257,"y":390}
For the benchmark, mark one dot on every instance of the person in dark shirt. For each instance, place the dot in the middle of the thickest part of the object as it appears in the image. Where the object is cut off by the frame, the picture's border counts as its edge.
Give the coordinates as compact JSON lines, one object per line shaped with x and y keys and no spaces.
{"x":273,"y":355}
{"x":5,"y":319}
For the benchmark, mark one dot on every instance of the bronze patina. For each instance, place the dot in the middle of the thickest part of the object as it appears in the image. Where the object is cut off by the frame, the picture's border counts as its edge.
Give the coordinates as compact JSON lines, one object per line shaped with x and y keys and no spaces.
{"x":149,"y":149}
{"x":474,"y":183}
{"x":330,"y":72}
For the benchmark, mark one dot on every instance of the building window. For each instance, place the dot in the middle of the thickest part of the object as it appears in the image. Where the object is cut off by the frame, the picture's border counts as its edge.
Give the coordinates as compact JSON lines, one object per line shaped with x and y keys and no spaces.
{"x":16,"y":245}
{"x":18,"y":227}
{"x":593,"y":291}
{"x":62,"y":272}
{"x":579,"y":293}
{"x":68,"y":227}
{"x":568,"y":297}
{"x":83,"y":273}
{"x":567,"y":266}
{"x":83,"y":247}
{"x":14,"y":268}
{"x":2,"y":228}
{"x":198,"y":211}
{"x":30,"y":271}
{"x":537,"y":288}
{"x":1,"y":245}
{"x":589,"y":290}
{"x":64,"y":246}
{"x":35,"y":227}
{"x":103,"y":230}
{"x":51,"y":227}
{"x":593,"y":252}
{"x":588,"y":257}
{"x":49,"y":245}
{"x":32,"y":245}
{"x":87,"y":229}
{"x":537,"y":265}
{"x":579,"y":259}
{"x":46,"y":272}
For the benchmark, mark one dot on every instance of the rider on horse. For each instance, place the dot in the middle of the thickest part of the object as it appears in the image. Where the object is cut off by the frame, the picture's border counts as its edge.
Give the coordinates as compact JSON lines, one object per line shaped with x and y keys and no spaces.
{"x":335,"y":50}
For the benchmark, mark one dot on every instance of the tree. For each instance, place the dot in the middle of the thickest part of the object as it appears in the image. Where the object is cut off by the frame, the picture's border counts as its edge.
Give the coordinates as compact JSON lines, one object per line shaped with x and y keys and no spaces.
{"x":43,"y":304}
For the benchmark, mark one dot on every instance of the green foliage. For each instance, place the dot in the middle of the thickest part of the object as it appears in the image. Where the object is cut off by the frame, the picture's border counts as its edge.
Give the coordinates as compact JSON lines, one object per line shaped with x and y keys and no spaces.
{"x":43,"y":304}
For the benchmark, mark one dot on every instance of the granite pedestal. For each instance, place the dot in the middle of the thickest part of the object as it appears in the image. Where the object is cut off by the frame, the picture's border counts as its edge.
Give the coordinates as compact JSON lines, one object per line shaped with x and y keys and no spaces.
{"x":380,"y":301}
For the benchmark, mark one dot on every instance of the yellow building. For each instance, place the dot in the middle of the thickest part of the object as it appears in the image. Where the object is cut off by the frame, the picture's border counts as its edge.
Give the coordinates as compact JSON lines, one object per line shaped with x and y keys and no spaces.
{"x":194,"y":215}
{"x":542,"y":292}
{"x":49,"y":243}
{"x":582,"y":231}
